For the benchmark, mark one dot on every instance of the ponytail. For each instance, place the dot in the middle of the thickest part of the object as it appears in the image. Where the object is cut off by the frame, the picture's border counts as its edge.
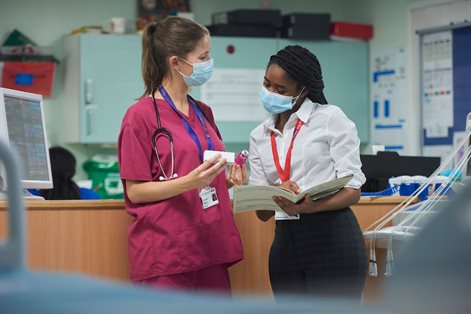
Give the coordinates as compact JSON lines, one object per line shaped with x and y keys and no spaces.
{"x":153,"y":65}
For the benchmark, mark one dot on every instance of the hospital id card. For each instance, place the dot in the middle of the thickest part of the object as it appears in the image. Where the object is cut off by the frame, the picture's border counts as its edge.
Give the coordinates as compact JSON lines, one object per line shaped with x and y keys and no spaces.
{"x":281,"y":215}
{"x":209,"y":197}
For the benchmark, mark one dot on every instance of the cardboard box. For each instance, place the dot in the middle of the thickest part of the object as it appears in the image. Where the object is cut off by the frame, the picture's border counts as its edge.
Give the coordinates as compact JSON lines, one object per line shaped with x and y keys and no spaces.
{"x":33,"y":77}
{"x":351,"y":30}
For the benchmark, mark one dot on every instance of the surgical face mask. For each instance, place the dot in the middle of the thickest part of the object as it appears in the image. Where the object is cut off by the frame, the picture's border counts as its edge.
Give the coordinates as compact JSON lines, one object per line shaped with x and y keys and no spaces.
{"x":201,"y":73}
{"x":276,"y":103}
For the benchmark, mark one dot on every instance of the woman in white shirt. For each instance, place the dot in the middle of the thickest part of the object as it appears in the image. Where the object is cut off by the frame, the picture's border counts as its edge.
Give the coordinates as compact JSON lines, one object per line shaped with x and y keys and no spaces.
{"x":318,"y":247}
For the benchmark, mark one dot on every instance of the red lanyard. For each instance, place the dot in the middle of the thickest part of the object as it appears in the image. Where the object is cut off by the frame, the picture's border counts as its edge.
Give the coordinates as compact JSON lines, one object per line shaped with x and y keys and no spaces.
{"x":284,"y":174}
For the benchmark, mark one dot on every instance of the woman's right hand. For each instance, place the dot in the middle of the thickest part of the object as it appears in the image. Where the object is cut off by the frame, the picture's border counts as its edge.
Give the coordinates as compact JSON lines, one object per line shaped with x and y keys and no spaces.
{"x":290,"y":186}
{"x":204,"y":174}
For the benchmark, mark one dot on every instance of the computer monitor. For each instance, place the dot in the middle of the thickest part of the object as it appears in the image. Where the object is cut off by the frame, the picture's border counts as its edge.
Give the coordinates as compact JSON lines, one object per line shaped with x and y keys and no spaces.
{"x":378,"y":169}
{"x":22,"y":125}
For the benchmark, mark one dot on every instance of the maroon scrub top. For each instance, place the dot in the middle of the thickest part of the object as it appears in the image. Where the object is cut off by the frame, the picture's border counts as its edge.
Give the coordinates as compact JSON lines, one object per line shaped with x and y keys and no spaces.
{"x":175,"y":235}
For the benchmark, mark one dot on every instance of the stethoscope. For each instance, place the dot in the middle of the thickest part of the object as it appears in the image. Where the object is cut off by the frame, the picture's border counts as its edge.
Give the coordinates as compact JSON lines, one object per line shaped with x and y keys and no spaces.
{"x":161,"y":131}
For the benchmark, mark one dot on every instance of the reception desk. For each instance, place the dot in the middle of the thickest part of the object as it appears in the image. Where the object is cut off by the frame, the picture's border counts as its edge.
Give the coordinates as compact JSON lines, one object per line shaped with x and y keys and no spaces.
{"x":90,"y":237}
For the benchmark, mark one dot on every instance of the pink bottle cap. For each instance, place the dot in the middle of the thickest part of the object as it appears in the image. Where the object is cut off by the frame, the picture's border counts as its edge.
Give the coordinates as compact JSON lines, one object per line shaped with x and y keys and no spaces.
{"x":241,"y":157}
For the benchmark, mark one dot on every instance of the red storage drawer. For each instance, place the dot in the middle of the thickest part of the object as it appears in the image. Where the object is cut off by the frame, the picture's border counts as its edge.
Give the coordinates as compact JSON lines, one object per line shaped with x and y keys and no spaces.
{"x":33,"y":77}
{"x":351,"y":30}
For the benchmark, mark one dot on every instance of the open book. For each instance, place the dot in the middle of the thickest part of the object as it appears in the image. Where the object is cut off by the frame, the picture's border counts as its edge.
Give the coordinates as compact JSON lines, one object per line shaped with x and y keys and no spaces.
{"x":259,"y":197}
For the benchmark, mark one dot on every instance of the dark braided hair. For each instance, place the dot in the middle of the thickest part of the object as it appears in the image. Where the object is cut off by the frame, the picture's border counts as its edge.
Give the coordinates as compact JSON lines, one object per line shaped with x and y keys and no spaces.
{"x":303,"y":66}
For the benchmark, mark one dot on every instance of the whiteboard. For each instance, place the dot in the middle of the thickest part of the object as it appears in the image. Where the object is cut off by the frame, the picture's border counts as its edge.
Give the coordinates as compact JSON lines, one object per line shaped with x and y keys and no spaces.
{"x":234,"y":94}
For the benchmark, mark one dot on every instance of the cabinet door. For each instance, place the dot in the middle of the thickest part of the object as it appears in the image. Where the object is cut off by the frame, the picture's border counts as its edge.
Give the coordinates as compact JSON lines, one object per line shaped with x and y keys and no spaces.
{"x":239,"y":53}
{"x":110,"y":81}
{"x":345,"y":71}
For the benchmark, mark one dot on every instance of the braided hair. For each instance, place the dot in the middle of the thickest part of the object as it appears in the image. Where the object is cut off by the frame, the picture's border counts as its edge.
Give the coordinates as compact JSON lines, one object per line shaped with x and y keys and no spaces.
{"x":303,"y":66}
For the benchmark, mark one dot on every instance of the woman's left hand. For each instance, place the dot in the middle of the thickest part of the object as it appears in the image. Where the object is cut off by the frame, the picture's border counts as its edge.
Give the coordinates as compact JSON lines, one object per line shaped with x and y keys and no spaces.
{"x":237,"y":175}
{"x":291,"y":208}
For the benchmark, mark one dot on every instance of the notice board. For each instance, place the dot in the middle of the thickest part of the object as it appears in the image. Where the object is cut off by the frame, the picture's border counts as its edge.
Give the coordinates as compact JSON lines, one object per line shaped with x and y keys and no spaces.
{"x":446,"y":89}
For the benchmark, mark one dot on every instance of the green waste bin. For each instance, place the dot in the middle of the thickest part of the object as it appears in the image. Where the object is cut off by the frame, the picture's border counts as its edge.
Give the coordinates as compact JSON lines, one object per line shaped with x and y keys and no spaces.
{"x":104,"y":172}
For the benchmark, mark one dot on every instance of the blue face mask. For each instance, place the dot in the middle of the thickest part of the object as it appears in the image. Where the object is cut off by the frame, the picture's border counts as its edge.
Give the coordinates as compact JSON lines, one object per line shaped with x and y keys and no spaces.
{"x":201,"y":73}
{"x":276,"y":103}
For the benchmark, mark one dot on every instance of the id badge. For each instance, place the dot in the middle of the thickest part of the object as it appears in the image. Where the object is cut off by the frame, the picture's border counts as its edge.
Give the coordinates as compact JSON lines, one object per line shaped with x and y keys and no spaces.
{"x":209,"y":197}
{"x":281,"y":215}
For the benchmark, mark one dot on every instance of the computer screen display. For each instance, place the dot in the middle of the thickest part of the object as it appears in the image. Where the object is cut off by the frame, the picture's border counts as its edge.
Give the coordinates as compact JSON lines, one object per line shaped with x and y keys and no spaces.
{"x":23,"y":126}
{"x":378,"y":169}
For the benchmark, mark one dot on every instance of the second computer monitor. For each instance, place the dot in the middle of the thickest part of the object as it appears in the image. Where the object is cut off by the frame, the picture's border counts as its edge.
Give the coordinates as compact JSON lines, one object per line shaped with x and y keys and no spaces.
{"x":378,"y":169}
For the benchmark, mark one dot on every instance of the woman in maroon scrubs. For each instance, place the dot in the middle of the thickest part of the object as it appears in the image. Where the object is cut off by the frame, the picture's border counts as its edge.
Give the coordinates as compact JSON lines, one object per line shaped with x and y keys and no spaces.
{"x":183,"y":235}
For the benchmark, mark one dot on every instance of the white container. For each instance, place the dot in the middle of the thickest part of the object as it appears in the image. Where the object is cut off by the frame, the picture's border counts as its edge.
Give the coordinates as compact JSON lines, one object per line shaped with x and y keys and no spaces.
{"x":115,"y":25}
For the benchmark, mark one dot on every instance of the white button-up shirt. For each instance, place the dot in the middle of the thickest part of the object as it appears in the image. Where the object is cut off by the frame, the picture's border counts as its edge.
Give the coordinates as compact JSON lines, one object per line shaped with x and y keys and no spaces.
{"x":326,"y":148}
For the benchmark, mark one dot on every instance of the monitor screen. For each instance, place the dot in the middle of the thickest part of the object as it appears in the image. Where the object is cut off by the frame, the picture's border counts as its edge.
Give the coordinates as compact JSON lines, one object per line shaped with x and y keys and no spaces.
{"x":23,"y":126}
{"x":378,"y":169}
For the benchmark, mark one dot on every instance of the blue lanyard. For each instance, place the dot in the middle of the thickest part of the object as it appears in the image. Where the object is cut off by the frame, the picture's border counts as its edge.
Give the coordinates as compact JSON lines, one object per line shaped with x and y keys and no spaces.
{"x":188,"y":128}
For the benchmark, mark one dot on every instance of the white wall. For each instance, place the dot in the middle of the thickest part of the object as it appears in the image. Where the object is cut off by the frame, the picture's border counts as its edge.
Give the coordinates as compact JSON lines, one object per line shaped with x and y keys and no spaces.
{"x":45,"y":22}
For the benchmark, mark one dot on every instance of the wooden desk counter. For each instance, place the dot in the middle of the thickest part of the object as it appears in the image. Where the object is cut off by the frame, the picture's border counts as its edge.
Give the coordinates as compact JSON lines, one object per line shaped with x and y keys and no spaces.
{"x":90,"y":237}
{"x":81,"y":236}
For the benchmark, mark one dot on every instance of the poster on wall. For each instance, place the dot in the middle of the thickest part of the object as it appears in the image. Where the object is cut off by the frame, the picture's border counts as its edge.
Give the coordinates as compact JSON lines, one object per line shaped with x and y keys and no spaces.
{"x":437,"y":85}
{"x":446,"y":97}
{"x":234,"y":94}
{"x":388,"y":109}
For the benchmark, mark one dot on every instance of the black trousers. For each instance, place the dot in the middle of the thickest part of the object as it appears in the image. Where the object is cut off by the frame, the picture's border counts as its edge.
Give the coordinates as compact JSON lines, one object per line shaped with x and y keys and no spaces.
{"x":320,"y":254}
